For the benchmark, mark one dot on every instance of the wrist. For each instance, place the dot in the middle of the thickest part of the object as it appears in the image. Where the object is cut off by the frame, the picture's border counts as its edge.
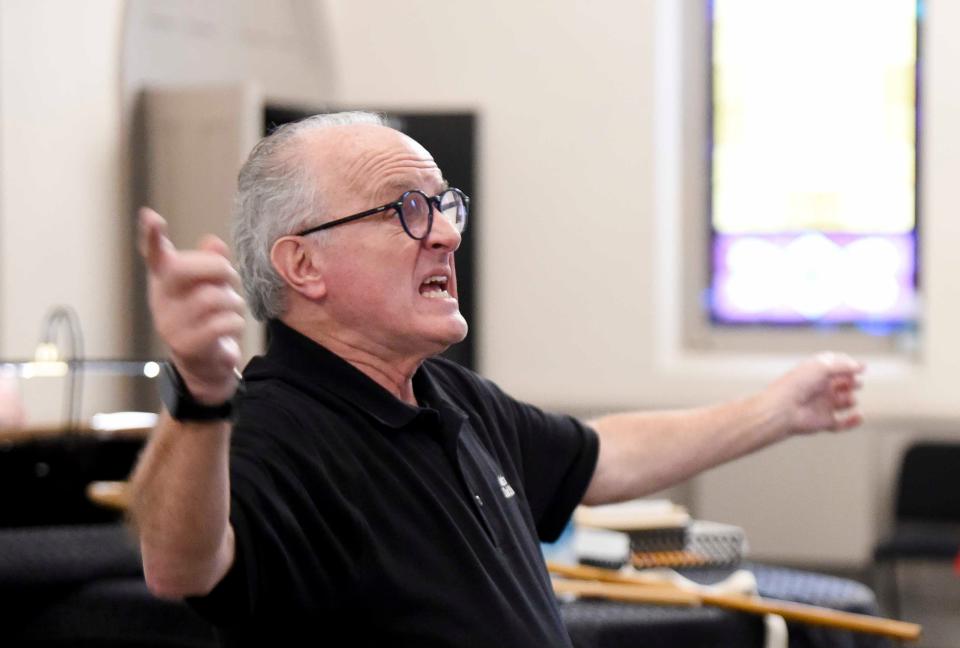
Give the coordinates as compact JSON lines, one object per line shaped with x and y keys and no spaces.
{"x":207,"y":403}
{"x":204,"y":388}
{"x":772,"y":414}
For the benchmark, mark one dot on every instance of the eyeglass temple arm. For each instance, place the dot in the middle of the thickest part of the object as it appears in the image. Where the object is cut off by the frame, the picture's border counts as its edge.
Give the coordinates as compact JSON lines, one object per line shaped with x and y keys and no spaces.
{"x":347,"y":219}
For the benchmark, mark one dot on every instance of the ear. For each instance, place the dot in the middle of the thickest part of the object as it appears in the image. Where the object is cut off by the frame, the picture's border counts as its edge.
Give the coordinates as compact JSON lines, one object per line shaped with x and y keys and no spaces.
{"x":297,"y":261}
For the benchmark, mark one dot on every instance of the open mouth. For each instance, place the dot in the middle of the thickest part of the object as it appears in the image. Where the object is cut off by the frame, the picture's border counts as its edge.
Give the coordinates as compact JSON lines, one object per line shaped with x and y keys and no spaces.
{"x":435,"y":287}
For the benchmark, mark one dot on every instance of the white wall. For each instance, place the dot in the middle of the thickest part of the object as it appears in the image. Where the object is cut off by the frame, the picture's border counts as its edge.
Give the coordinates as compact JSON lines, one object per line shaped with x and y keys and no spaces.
{"x":64,"y":234}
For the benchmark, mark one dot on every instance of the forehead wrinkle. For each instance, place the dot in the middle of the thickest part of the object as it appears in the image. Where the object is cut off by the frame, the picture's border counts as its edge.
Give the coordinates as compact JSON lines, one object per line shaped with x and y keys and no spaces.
{"x":382,"y":168}
{"x":395,"y":184}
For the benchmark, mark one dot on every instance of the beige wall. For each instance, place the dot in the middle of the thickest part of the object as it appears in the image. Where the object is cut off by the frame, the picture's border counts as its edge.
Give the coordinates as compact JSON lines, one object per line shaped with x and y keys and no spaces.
{"x":64,"y":235}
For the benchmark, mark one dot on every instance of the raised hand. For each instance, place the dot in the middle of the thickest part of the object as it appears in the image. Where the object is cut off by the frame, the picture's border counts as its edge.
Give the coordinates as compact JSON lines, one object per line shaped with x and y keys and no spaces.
{"x":819,"y":394}
{"x":197,"y":309}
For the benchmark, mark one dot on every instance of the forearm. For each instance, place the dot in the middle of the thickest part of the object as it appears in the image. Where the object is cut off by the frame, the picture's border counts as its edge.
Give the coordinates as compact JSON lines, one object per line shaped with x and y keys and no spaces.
{"x":644,"y":452}
{"x":180,"y":507}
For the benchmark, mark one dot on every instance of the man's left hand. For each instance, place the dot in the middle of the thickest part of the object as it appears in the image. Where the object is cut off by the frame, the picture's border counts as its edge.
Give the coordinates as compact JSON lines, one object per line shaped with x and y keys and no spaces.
{"x":818,"y":394}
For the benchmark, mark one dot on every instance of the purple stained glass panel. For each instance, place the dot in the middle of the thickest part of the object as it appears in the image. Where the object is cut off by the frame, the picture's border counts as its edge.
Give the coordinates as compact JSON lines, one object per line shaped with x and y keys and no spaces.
{"x":814,"y":278}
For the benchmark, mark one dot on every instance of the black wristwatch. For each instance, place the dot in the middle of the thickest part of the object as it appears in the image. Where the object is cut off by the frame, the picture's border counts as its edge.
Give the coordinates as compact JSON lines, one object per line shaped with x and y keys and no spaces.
{"x":183,"y":406}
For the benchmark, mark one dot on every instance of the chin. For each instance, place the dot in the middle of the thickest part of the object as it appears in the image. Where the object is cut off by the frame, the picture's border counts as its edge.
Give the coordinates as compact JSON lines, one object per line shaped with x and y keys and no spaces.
{"x":454,"y":331}
{"x":461,"y":329}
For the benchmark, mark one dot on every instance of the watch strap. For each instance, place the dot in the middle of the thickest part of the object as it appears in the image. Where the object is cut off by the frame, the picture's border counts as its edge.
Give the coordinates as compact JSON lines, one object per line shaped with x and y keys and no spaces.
{"x":182,"y":405}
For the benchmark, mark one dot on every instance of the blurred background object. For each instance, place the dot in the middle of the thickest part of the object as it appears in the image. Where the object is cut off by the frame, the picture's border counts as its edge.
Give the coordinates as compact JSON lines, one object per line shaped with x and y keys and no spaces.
{"x":12,"y":413}
{"x":913,"y":562}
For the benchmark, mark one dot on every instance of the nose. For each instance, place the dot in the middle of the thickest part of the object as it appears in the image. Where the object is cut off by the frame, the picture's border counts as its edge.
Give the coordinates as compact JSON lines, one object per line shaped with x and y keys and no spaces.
{"x":443,"y":235}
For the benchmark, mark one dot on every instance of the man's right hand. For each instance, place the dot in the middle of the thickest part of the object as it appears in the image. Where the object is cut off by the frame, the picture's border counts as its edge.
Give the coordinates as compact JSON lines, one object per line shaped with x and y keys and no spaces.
{"x":197,"y":309}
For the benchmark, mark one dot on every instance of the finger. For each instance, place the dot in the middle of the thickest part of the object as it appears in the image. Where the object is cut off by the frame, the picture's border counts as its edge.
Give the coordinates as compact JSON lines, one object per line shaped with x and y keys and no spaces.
{"x":230,"y":350}
{"x":842,"y":396}
{"x":226,"y":329}
{"x":155,"y":247}
{"x":849,"y":379}
{"x":839,"y":363}
{"x":204,"y":339}
{"x":842,"y":381}
{"x":844,"y":385}
{"x":845,"y":382}
{"x":226,"y":325}
{"x":843,"y":401}
{"x":195,"y":266}
{"x":209,"y":299}
{"x":846,"y":420}
{"x":184,"y":327}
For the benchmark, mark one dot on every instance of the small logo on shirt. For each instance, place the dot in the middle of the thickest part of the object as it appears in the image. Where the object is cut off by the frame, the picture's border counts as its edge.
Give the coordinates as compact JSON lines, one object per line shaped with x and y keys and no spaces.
{"x":507,"y":489}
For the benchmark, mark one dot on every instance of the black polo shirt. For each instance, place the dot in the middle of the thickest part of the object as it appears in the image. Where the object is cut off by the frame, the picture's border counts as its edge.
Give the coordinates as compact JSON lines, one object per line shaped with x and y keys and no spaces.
{"x":361,"y":520}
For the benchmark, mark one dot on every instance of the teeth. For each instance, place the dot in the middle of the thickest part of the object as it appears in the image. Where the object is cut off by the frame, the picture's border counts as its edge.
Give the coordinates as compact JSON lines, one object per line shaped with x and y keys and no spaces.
{"x":435,"y":287}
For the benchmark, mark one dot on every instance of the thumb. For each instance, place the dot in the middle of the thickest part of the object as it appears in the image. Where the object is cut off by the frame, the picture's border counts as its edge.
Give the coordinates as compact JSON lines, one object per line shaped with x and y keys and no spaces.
{"x":154,"y":245}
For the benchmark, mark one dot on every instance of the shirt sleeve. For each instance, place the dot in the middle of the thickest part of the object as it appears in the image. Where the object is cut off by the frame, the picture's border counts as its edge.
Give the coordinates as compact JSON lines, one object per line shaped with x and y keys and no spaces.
{"x":557,"y":458}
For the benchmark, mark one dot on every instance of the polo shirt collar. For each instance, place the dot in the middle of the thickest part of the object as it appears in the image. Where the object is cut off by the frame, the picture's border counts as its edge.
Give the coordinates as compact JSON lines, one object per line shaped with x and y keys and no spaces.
{"x":295,"y":358}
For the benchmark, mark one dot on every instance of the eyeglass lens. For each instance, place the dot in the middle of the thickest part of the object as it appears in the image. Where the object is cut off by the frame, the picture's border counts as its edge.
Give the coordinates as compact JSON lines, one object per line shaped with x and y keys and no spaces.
{"x":416,"y":211}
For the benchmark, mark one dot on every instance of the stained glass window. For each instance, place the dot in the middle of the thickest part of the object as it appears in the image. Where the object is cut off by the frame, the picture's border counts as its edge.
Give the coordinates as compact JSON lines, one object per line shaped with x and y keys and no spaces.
{"x":813,"y":163}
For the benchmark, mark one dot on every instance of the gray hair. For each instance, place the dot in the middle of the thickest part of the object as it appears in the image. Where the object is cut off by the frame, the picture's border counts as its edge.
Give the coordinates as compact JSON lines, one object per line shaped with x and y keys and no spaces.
{"x":275,"y":196}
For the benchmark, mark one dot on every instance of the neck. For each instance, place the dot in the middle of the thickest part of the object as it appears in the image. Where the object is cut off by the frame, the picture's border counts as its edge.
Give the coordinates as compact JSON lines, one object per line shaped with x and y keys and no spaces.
{"x":391,"y":371}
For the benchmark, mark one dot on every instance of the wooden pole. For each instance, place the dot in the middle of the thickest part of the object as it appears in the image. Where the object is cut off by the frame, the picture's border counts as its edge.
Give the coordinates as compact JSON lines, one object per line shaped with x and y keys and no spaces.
{"x":604,"y":579}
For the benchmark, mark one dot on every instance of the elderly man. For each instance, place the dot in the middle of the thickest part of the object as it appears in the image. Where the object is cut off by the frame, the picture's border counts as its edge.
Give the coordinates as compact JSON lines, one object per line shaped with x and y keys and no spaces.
{"x":354,"y":487}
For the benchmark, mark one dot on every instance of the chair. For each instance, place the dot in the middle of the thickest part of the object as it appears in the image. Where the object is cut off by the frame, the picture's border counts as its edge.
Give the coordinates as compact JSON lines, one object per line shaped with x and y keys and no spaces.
{"x":44,"y":479}
{"x":82,"y":585}
{"x":926,"y":516}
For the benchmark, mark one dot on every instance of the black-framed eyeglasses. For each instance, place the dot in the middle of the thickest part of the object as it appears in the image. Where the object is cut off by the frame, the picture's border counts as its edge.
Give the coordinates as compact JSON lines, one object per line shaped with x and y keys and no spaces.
{"x":415,"y":210}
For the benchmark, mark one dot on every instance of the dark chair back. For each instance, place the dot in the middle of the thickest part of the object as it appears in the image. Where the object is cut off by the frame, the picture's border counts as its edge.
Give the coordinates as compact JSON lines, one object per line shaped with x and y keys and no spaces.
{"x":43,"y":481}
{"x":929,"y":483}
